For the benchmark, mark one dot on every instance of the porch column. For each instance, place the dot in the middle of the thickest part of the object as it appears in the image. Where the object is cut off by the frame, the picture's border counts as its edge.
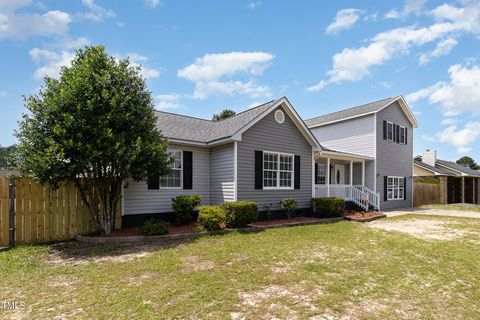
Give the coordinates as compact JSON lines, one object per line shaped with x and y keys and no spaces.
{"x":328,"y":177}
{"x":463,"y":189}
{"x":363,"y":173}
{"x":351,"y":177}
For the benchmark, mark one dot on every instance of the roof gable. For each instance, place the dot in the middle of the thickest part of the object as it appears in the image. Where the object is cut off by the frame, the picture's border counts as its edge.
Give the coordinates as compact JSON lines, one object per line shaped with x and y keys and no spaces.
{"x":187,"y":129}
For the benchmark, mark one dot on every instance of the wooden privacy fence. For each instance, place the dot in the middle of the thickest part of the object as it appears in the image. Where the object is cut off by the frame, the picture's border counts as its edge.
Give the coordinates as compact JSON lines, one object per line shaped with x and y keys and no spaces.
{"x":431,"y":192}
{"x":42,"y":214}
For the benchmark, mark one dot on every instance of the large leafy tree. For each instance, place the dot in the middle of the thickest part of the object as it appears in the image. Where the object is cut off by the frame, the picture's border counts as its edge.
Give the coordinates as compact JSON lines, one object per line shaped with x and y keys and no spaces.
{"x":468,"y":162}
{"x":95,"y":127}
{"x":8,"y":158}
{"x":227,"y":113}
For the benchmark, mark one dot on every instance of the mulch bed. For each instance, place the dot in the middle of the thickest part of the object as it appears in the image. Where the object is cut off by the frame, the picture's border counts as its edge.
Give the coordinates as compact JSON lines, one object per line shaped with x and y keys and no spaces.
{"x":137,"y":231}
{"x":360,"y":216}
{"x":274,"y":222}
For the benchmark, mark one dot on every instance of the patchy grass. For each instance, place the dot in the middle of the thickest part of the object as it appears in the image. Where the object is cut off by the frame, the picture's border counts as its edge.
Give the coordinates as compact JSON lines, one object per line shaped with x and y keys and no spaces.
{"x":460,"y":207}
{"x":342,"y":270}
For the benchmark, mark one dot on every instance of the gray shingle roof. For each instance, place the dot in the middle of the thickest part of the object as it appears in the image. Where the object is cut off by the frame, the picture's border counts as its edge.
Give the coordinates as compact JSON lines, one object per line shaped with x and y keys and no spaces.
{"x":434,"y":169}
{"x":351,"y":112}
{"x":459,"y":167}
{"x":176,"y":126}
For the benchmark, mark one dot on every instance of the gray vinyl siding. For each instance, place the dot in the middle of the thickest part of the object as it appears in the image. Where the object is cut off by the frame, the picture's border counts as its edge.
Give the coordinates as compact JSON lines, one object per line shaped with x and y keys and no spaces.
{"x":268,"y":135}
{"x":139,"y":200}
{"x":222,"y":185}
{"x":354,"y":135}
{"x":394,"y":159}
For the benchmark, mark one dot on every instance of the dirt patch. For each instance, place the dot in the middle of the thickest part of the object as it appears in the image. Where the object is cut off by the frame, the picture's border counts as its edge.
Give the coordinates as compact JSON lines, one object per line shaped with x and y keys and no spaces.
{"x":196,"y":263}
{"x":276,"y":300}
{"x":275,"y":222}
{"x":427,"y":229}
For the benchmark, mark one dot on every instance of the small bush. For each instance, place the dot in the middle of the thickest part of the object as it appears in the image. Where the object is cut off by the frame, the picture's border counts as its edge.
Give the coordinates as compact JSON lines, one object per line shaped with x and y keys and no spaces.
{"x":155,"y":227}
{"x":183,"y":206}
{"x":289,"y":205}
{"x":327,"y":207}
{"x":240,"y":213}
{"x":212,"y":217}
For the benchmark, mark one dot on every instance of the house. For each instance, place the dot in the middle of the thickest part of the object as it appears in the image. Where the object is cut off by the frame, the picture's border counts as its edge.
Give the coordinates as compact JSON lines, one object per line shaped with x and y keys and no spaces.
{"x":369,"y":148}
{"x":459,"y":184}
{"x":268,"y":153}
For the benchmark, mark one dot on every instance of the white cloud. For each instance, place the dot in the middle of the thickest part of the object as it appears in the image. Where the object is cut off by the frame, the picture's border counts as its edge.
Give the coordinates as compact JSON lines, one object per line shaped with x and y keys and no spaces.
{"x":410,"y":7}
{"x":345,"y":19}
{"x":168,"y":101}
{"x":210,"y":72}
{"x":317,"y":87}
{"x":3,"y":94}
{"x":449,"y":121}
{"x":460,"y":95}
{"x":153,"y":3}
{"x":462,"y":139}
{"x":428,"y":138}
{"x":146,"y":72}
{"x":23,"y":25}
{"x":253,"y":5}
{"x":52,"y":60}
{"x":97,"y":13}
{"x":353,"y":64}
{"x":443,"y":48}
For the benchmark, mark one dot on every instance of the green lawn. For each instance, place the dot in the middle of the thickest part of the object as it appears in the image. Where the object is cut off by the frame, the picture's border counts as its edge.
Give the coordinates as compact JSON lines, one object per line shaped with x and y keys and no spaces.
{"x":322,"y":271}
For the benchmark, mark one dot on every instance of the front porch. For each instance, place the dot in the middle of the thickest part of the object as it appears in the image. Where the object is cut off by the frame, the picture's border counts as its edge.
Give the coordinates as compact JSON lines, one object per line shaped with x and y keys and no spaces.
{"x":345,"y":176}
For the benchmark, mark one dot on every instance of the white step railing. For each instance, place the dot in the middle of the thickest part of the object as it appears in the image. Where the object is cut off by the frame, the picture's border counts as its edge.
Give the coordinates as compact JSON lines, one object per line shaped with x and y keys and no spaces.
{"x":357,"y":194}
{"x":373,"y":198}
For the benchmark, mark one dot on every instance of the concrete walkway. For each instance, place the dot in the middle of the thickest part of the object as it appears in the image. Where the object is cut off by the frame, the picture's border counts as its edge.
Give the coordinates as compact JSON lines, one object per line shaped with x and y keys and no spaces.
{"x":433,"y":212}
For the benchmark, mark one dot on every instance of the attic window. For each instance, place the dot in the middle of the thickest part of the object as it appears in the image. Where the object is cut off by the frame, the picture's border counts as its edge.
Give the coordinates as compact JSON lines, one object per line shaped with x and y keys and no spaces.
{"x":279,"y":116}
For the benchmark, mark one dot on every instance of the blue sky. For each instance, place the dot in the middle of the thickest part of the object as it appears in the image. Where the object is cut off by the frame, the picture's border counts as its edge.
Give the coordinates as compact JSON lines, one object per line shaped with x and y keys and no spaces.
{"x":200,"y":57}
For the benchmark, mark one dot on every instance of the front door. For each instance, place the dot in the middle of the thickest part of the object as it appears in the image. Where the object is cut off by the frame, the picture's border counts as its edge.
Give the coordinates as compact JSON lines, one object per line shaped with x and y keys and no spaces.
{"x":339,"y":176}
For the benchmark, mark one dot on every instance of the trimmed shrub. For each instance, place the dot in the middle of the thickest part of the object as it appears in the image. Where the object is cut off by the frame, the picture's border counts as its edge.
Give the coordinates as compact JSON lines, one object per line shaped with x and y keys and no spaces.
{"x":240,"y":213}
{"x":289,"y":205}
{"x":327,"y":207}
{"x":184,"y":206}
{"x":212,"y":217}
{"x":155,"y":227}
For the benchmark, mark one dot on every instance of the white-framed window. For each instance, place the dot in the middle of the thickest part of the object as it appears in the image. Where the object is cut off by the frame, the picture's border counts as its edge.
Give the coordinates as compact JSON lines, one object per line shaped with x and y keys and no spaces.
{"x":174,"y":178}
{"x":321,"y":173}
{"x":395,"y":187}
{"x":402,"y":137}
{"x":277,"y":170}
{"x":390,"y":131}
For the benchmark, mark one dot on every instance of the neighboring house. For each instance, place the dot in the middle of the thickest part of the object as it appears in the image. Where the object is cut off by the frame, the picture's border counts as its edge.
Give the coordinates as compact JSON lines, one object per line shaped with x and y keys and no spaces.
{"x":8,"y":173}
{"x":268,"y":153}
{"x":459,"y":184}
{"x":371,"y":146}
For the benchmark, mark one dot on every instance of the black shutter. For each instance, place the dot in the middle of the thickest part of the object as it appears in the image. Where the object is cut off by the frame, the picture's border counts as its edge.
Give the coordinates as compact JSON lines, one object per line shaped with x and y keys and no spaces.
{"x":398,"y":133}
{"x":153,"y":182}
{"x":258,"y":170}
{"x":385,"y":188}
{"x":406,"y":136}
{"x":384,"y":130}
{"x":296,"y":173}
{"x":187,"y":170}
{"x":405,"y":188}
{"x":316,"y":173}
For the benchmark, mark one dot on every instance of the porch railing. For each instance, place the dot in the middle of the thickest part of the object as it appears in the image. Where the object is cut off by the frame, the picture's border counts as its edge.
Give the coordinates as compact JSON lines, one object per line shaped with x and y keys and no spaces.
{"x":357,"y":194}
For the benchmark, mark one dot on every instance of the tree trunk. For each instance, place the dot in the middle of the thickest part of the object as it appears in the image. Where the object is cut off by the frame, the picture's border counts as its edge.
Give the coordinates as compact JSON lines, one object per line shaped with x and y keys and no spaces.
{"x":102,"y":201}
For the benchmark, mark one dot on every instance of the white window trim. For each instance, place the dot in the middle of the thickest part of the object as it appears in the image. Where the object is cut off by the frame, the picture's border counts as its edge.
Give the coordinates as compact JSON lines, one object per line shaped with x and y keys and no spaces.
{"x":398,"y":187}
{"x":404,"y":137}
{"x":278,"y":171}
{"x":181,"y":172}
{"x":325,"y":175}
{"x":393,"y":131}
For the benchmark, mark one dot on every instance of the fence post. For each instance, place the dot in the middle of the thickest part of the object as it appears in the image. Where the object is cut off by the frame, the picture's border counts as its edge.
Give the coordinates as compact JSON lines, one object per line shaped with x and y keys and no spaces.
{"x":11,"y":196}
